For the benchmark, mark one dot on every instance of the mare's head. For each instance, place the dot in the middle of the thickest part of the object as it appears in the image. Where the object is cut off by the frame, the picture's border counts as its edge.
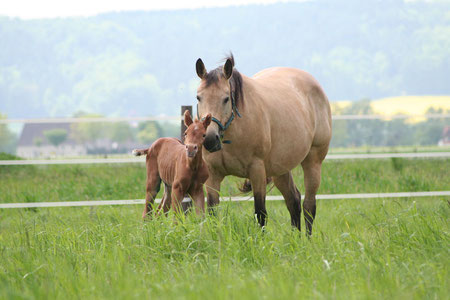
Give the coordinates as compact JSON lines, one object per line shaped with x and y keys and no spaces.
{"x":215,"y":97}
{"x":195,"y":134}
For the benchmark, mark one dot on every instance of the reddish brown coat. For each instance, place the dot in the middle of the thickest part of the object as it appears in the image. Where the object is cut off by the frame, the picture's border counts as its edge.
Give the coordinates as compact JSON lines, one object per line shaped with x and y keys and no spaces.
{"x":180,"y":166}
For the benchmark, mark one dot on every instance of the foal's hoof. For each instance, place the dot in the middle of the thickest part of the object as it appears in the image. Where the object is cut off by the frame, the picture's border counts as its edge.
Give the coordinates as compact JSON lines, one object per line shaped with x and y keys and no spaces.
{"x":146,"y":216}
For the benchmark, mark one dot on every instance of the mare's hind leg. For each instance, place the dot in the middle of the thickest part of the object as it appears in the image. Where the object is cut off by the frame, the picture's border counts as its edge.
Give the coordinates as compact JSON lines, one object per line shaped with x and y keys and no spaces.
{"x":291,"y":195}
{"x":311,"y":169}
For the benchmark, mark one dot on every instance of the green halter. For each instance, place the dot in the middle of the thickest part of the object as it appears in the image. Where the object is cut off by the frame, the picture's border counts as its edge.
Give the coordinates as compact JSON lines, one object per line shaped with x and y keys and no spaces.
{"x":222,"y":127}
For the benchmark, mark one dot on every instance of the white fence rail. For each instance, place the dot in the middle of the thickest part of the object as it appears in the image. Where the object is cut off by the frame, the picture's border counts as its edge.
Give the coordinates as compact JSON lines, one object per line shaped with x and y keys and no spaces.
{"x":166,"y":118}
{"x":269,"y":198}
{"x":89,"y":120}
{"x":142,"y":159}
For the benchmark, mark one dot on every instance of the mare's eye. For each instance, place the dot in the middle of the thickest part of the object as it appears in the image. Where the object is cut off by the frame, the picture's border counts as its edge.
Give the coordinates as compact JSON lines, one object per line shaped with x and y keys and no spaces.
{"x":226,"y":100}
{"x":198,"y":98}
{"x":185,"y":133}
{"x":204,"y":135}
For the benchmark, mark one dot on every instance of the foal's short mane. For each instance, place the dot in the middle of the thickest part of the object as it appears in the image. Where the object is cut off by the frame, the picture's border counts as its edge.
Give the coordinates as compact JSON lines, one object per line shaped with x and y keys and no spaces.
{"x":236,"y":80}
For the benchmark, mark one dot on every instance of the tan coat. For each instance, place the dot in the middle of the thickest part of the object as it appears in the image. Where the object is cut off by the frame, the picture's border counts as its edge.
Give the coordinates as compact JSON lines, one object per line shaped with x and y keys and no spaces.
{"x":286,"y":121}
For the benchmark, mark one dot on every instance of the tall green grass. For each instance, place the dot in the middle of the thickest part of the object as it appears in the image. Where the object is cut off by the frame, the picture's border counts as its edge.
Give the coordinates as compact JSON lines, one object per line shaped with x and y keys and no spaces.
{"x":376,"y":249}
{"x":370,"y":249}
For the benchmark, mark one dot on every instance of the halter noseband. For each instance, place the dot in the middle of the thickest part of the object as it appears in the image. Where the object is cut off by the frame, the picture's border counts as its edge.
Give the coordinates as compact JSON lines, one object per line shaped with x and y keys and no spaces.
{"x":222,"y":127}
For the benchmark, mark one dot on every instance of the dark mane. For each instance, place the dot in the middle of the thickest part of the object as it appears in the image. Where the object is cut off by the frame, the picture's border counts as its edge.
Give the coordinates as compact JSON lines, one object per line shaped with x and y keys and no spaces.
{"x":213,"y":76}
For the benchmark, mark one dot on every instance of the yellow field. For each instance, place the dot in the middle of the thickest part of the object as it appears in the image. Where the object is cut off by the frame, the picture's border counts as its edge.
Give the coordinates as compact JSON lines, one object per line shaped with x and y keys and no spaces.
{"x":409,"y":105}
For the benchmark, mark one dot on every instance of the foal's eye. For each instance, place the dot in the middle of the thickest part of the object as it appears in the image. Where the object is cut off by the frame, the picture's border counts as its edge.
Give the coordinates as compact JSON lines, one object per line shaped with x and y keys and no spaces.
{"x":198,"y":98}
{"x":204,"y":135}
{"x":185,"y":134}
{"x":226,"y":100}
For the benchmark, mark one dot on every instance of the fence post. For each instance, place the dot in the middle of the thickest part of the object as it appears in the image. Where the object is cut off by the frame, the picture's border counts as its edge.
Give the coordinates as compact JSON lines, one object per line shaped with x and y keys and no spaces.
{"x":183,"y":127}
{"x":185,"y":205}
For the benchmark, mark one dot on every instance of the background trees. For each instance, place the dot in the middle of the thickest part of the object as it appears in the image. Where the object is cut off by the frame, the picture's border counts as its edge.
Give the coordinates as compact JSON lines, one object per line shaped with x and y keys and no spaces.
{"x":142,"y":63}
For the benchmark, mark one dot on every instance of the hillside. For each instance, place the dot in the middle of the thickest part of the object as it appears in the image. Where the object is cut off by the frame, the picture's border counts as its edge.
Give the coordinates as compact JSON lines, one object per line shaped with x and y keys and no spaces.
{"x":408,"y":105}
{"x":142,"y":63}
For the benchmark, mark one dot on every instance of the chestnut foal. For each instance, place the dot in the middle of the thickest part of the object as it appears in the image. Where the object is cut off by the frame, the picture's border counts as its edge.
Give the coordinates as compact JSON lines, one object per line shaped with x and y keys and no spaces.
{"x":180,"y":167}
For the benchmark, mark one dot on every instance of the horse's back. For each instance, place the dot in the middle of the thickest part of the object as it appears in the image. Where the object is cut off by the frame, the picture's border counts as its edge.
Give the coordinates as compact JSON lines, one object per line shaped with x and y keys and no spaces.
{"x":298,"y":111}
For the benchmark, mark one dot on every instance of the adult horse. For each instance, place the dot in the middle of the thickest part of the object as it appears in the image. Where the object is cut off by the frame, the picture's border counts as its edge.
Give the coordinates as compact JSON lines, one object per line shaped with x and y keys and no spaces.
{"x":264,"y":126}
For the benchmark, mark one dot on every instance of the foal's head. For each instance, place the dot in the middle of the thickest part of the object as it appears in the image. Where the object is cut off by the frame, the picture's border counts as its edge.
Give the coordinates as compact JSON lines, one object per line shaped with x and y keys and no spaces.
{"x":194,"y":136}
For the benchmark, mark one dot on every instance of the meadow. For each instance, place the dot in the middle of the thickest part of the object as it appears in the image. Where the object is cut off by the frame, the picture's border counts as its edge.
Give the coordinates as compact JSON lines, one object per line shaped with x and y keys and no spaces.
{"x":374,"y":249}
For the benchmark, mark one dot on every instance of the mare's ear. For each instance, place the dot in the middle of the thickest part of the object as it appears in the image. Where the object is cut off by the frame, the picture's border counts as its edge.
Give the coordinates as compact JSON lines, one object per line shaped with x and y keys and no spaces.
{"x":207,"y":121}
{"x":228,"y":69}
{"x":187,"y":118}
{"x":200,"y":68}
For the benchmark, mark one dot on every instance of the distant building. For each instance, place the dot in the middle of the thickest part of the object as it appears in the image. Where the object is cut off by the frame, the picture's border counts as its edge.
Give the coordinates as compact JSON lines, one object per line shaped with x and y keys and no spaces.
{"x":33,"y":143}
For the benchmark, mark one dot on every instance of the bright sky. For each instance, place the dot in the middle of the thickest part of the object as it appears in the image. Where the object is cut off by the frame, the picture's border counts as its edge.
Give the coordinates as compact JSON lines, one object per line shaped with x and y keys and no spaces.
{"x":36,"y":9}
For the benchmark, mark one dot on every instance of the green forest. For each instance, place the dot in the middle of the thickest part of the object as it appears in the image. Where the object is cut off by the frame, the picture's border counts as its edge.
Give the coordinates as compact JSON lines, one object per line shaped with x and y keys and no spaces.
{"x":142,"y":63}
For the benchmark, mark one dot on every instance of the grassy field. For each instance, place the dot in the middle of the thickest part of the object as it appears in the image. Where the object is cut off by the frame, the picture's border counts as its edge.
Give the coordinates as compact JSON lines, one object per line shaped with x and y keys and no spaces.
{"x":127,"y":181}
{"x":392,"y":149}
{"x":375,"y":249}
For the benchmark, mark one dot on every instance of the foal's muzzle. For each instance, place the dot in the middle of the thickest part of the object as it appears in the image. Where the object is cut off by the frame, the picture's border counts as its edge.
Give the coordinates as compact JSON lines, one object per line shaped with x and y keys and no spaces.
{"x":191,"y":150}
{"x":212,"y":142}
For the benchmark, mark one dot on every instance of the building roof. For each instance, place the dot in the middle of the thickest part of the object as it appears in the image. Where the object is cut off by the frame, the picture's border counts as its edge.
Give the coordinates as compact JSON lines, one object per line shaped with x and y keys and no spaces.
{"x":31,"y":132}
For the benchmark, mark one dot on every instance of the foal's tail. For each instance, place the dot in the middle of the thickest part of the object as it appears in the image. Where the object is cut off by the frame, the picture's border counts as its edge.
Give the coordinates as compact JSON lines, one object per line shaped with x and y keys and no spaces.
{"x":139,"y":152}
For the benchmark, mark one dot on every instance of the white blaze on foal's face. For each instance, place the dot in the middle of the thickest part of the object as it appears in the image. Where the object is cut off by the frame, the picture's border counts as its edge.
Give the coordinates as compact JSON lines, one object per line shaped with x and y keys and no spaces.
{"x":195,"y":133}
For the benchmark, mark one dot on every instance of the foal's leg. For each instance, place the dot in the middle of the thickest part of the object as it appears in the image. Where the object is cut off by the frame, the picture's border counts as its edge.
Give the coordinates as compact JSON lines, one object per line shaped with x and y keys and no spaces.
{"x":285,"y":183}
{"x":257,"y":176}
{"x":178,"y":192}
{"x":166,"y":199}
{"x":212,"y":191}
{"x":311,"y":170}
{"x":152,"y":187}
{"x":199,"y":199}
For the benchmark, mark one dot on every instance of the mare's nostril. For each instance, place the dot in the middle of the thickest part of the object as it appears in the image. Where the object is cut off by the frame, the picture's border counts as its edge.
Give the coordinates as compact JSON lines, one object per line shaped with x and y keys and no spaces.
{"x":212,"y":142}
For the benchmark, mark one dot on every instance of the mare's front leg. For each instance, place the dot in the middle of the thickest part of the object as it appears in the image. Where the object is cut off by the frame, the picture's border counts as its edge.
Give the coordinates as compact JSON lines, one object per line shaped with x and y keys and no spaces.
{"x":212,"y":191}
{"x":257,"y":175}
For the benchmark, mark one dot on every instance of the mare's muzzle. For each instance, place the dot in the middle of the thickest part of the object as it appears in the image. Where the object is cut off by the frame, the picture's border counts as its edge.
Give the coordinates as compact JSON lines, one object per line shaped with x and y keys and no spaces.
{"x":212,"y":142}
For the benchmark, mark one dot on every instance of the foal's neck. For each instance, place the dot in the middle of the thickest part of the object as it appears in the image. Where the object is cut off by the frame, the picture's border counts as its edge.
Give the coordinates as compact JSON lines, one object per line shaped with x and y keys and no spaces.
{"x":195,"y":162}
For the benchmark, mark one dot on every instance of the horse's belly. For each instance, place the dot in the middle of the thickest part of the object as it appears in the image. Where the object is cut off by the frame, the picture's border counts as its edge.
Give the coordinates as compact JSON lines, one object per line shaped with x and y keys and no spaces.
{"x":285,"y":159}
{"x":225,"y":163}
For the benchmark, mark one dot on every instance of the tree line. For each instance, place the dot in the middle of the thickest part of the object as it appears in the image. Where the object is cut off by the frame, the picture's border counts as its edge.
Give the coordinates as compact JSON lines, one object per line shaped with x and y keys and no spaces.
{"x":142,"y":63}
{"x":346,"y":133}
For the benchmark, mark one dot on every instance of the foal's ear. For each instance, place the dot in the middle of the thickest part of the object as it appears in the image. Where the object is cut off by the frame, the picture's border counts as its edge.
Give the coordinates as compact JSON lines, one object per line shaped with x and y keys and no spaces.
{"x":187,"y":118}
{"x":228,"y":69}
{"x":200,"y":68}
{"x":207,"y":121}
